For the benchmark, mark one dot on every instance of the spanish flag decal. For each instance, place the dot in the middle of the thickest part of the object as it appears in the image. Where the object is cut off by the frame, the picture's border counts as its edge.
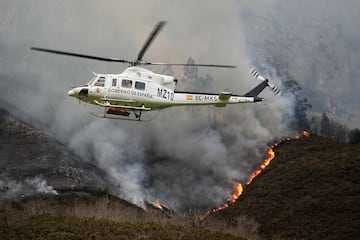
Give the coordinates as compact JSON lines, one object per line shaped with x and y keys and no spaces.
{"x":189,"y":97}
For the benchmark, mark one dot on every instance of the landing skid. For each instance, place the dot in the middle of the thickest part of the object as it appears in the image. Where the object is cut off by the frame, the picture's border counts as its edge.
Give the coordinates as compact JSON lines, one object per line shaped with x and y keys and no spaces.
{"x":117,"y":118}
{"x":136,"y":116}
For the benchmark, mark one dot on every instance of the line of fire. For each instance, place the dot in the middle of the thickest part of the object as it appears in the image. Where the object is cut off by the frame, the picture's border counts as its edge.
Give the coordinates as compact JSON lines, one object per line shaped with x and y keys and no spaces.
{"x":239,"y":187}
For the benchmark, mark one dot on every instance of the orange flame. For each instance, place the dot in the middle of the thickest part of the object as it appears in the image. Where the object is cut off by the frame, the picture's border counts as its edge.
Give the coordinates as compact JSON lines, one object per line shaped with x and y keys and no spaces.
{"x":270,"y":155}
{"x":305,"y":134}
{"x":239,"y":188}
{"x":158,"y":205}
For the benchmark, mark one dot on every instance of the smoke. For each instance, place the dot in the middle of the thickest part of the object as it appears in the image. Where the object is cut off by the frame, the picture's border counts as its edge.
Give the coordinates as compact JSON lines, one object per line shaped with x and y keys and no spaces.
{"x":118,"y":153}
{"x":13,"y":189}
{"x":40,"y":185}
{"x":315,"y":43}
{"x":186,"y":157}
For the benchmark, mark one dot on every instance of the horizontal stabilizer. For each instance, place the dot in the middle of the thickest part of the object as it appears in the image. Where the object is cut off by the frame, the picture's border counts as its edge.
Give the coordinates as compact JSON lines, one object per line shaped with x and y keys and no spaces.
{"x":225,"y":96}
{"x":220,"y":105}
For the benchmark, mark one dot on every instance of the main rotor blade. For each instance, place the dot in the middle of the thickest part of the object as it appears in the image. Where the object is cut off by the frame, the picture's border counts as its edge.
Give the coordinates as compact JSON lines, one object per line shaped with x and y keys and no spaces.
{"x":151,"y":37}
{"x":188,"y":64}
{"x":80,"y":55}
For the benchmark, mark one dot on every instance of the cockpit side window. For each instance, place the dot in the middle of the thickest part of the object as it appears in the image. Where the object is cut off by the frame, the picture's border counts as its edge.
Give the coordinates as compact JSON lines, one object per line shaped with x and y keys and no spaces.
{"x":140,"y":85}
{"x":100,"y":82}
{"x":126,"y":83}
{"x":114,"y":82}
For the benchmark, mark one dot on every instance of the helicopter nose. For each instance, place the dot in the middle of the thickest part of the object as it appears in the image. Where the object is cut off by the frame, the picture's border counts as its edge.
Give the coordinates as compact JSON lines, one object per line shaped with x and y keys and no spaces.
{"x":72,"y":93}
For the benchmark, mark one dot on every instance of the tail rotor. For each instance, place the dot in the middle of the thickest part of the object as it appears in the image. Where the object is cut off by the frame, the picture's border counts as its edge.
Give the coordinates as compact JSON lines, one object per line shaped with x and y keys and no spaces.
{"x":257,"y":75}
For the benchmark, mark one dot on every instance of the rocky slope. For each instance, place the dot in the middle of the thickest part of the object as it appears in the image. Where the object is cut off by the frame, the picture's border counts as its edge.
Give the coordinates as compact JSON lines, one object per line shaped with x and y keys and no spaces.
{"x":31,"y":159}
{"x":39,"y":174}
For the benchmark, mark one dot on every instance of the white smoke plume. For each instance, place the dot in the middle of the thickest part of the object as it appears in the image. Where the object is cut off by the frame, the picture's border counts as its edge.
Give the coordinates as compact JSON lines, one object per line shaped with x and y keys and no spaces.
{"x":185,"y":157}
{"x":118,"y":153}
{"x":40,"y":185}
{"x":13,"y":189}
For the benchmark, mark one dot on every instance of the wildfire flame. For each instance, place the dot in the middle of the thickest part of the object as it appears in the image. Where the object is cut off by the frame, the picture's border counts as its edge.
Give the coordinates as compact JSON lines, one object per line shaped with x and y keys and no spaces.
{"x":239,"y":188}
{"x":305,"y":134}
{"x":158,"y":205}
{"x":270,"y":155}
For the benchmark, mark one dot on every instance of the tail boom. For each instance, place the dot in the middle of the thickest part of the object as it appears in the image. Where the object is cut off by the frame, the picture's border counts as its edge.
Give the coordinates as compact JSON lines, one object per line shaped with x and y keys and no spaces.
{"x":216,"y":99}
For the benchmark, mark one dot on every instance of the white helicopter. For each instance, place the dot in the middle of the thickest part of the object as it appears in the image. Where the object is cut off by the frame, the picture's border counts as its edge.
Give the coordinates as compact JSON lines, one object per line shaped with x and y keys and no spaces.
{"x":138,"y":90}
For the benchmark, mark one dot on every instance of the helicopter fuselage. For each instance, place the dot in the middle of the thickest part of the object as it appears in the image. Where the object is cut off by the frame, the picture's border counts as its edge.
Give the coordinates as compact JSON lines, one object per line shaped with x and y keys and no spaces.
{"x":139,"y":89}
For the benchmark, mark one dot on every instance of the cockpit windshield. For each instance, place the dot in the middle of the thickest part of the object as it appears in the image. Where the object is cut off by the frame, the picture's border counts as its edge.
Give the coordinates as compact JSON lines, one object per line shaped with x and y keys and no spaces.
{"x":98,"y":81}
{"x":91,"y":81}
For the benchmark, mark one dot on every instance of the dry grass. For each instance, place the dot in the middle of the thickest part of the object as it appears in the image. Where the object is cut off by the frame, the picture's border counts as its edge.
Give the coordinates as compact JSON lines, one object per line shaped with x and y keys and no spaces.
{"x":21,"y":225}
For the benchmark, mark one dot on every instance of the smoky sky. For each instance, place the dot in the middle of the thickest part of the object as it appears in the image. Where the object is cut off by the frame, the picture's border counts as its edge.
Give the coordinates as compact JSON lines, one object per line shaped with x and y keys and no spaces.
{"x":186,"y":157}
{"x":317,"y":43}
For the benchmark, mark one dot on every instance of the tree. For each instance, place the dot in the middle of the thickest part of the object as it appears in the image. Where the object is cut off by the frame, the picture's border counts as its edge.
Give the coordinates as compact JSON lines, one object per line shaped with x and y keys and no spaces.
{"x":191,"y":71}
{"x":197,"y":81}
{"x":354,"y":136}
{"x":301,"y":121}
{"x":168,"y":70}
{"x":339,"y":131}
{"x":325,"y":126}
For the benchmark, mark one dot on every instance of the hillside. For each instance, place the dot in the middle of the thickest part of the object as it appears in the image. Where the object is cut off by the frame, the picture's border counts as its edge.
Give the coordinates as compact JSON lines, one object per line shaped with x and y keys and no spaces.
{"x":44,"y":162}
{"x":39,"y":174}
{"x":311,"y":190}
{"x":52,"y":193}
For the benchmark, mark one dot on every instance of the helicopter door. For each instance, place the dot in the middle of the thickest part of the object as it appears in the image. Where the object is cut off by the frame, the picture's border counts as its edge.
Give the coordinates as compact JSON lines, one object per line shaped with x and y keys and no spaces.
{"x":112,"y":84}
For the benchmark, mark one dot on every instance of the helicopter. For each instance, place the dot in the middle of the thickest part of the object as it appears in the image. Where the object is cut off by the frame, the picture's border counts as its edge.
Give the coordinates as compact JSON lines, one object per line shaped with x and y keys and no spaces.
{"x":127,"y":95}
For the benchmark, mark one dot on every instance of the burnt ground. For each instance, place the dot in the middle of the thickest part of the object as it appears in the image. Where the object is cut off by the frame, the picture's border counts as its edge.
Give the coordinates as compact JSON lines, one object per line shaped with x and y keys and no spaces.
{"x":311,"y":190}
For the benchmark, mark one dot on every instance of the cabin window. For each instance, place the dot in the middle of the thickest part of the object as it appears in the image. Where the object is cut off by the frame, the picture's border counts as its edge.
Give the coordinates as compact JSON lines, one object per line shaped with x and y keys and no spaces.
{"x":140,"y":85}
{"x":114,"y":81}
{"x":126,"y":83}
{"x":100,"y":82}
